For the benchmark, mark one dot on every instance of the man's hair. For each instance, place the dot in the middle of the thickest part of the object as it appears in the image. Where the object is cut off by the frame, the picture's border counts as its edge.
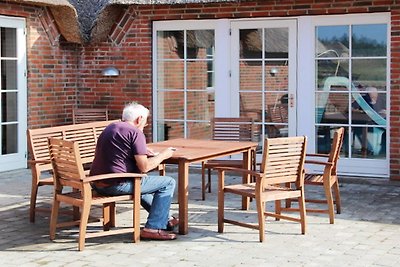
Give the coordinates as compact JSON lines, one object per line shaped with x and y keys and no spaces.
{"x":134,"y":110}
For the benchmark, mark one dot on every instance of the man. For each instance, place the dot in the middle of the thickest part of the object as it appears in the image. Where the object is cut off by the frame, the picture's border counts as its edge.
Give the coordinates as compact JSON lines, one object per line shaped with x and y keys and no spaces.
{"x":121,"y":148}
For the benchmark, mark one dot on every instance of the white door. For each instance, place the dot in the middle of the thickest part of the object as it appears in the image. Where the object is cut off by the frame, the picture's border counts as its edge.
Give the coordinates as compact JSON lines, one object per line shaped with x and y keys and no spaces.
{"x":12,"y":94}
{"x":345,"y":83}
{"x":263,"y":71}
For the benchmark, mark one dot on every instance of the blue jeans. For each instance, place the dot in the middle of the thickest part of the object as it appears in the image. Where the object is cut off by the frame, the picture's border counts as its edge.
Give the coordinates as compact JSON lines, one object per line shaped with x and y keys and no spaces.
{"x":156,"y":196}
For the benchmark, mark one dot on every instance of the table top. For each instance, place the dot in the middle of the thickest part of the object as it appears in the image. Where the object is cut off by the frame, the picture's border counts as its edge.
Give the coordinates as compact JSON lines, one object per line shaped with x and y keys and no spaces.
{"x":197,"y":150}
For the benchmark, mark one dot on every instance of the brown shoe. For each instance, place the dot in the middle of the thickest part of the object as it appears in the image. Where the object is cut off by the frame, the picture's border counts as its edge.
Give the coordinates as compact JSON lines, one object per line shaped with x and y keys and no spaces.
{"x":172,"y":223}
{"x":156,"y":234}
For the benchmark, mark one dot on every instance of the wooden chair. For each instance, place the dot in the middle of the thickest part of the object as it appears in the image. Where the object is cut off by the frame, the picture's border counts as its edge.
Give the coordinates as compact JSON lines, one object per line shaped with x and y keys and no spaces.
{"x":278,"y":115}
{"x":282,"y":163}
{"x":227,"y":129}
{"x":83,"y":115}
{"x":328,"y":179}
{"x":69,"y":172}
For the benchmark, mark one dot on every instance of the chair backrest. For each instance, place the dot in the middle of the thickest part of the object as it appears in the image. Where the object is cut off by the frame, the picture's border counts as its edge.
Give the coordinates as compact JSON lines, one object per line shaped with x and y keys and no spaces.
{"x":233,"y":129}
{"x":84,"y":115}
{"x":283,"y":160}
{"x":335,"y":149}
{"x":66,"y":162}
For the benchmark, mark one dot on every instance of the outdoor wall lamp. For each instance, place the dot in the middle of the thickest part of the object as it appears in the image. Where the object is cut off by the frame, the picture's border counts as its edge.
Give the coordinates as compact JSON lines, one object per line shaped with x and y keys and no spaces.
{"x":273,"y":71}
{"x":110,"y":71}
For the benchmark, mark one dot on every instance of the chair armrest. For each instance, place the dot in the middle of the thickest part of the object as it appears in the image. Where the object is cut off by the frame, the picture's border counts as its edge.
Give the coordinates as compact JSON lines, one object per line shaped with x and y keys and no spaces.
{"x":318,"y":162}
{"x":43,"y":161}
{"x":244,"y":171}
{"x":100,"y":177}
{"x":318,"y":155}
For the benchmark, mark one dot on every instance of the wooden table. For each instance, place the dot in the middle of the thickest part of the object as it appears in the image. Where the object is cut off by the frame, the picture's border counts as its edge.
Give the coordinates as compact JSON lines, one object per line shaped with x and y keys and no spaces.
{"x":194,"y":150}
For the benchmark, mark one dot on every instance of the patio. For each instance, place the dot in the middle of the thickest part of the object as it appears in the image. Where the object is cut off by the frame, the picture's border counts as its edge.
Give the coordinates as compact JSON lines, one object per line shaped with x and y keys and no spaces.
{"x":365,"y":234}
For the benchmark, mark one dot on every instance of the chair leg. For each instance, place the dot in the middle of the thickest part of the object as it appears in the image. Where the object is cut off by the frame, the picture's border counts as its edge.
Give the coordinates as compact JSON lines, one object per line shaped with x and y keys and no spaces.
{"x":302,"y":210}
{"x":32,"y":208}
{"x":53,"y":219}
{"x":136,"y":211}
{"x":329,"y":200}
{"x":278,"y":209}
{"x":83,"y":224}
{"x":261,"y":218}
{"x":203,"y":181}
{"x":221,"y":200}
{"x":106,"y":216}
{"x":209,"y":181}
{"x":337,"y":197}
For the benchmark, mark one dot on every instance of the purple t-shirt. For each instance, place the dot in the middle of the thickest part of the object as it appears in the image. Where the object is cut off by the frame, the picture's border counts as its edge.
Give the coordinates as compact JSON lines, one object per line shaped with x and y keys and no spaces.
{"x":116,"y":147}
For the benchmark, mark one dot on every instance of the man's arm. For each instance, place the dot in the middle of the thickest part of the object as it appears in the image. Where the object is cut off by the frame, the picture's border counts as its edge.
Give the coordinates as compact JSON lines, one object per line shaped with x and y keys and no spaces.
{"x":146,"y":164}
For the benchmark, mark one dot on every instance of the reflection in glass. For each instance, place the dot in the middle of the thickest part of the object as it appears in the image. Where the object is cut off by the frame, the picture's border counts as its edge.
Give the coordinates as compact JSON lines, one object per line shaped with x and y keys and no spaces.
{"x":277,"y":114}
{"x":368,"y":142}
{"x":251,"y":105}
{"x":324,"y":140}
{"x":169,"y":130}
{"x":329,"y":68}
{"x":9,"y":138}
{"x":277,"y":76}
{"x":8,"y":74}
{"x":369,"y":72}
{"x":332,"y":107}
{"x":170,"y":75}
{"x":250,"y":75}
{"x":199,"y":130}
{"x":170,"y":105}
{"x":332,"y":41}
{"x":8,"y":42}
{"x":250,"y":43}
{"x":200,"y":105}
{"x":369,"y":40}
{"x":9,"y":107}
{"x":276,"y":43}
{"x":170,"y":44}
{"x":197,"y":74}
{"x":369,"y":107}
{"x":198,"y":42}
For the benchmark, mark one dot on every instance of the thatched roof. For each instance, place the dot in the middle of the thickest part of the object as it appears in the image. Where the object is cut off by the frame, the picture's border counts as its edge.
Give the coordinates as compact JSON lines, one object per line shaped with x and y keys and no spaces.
{"x":84,"y":21}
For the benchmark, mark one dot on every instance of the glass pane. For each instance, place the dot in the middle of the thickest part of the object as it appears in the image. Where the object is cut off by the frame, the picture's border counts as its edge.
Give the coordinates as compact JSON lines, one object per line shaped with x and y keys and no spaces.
{"x":369,"y":72}
{"x":8,"y":42}
{"x":170,"y":75}
{"x":198,"y":42}
{"x":251,"y":75}
{"x":368,"y":142}
{"x":9,"y":136}
{"x":199,"y":130}
{"x":251,"y":106}
{"x":9,"y":107}
{"x":324,"y":140}
{"x":332,"y":108}
{"x":170,"y":105}
{"x":250,"y":43}
{"x":197,"y":75}
{"x":169,"y":130}
{"x":369,"y":40}
{"x":276,"y":76}
{"x":369,"y":107}
{"x":170,"y":44}
{"x":9,"y":74}
{"x":276,"y":115}
{"x":276,"y":43}
{"x":200,"y":105}
{"x":332,"y":41}
{"x":331,"y":68}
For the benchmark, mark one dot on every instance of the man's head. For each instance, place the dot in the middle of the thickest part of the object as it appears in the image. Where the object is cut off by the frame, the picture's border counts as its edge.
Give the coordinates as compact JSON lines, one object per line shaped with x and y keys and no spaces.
{"x":136,"y":114}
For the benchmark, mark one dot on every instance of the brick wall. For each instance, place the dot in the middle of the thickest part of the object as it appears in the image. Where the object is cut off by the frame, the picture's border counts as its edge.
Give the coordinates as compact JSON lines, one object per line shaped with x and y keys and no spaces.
{"x":52,"y":65}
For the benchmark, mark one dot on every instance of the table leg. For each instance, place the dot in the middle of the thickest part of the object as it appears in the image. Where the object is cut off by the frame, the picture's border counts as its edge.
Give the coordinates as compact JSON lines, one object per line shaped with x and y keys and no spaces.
{"x":246,"y":177}
{"x":183,"y":192}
